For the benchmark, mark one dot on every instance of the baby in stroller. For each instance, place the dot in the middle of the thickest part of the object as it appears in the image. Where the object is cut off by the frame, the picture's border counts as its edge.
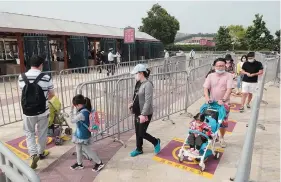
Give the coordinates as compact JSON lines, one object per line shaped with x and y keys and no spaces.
{"x":203,"y":134}
{"x":57,"y":121}
{"x":196,"y":140}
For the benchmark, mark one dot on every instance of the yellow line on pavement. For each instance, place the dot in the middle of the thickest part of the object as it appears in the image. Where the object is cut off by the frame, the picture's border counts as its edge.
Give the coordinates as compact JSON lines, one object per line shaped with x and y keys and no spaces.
{"x":19,"y":153}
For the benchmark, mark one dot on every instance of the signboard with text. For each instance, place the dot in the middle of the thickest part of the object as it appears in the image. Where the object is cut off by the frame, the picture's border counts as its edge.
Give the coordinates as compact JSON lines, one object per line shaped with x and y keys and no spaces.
{"x":129,"y":35}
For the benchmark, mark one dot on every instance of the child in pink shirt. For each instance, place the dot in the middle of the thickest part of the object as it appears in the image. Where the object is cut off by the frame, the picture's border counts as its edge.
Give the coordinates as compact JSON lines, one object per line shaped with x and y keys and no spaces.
{"x":195,"y":140}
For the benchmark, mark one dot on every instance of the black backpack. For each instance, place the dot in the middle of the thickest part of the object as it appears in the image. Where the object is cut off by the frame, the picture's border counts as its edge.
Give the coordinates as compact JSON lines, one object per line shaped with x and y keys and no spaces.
{"x":33,"y":100}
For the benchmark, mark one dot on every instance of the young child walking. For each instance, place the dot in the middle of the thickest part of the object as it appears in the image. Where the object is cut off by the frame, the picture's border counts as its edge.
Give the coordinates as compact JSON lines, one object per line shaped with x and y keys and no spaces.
{"x":82,"y":134}
{"x":195,"y":141}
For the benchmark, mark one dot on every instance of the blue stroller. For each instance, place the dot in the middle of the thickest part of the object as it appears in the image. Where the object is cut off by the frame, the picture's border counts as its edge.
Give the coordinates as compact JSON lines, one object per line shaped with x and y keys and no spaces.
{"x":214,"y":115}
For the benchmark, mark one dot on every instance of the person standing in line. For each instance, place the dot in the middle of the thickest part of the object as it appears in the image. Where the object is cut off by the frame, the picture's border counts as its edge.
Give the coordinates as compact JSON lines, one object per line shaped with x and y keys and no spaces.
{"x":192,"y":54}
{"x":230,"y":66}
{"x":111,"y":60}
{"x":142,"y":108}
{"x":36,"y":88}
{"x":239,"y":75}
{"x":217,"y":87}
{"x":118,"y":57}
{"x":251,"y":70}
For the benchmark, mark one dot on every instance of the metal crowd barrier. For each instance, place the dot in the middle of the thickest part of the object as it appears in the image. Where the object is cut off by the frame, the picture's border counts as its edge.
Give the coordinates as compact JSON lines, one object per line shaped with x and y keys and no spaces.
{"x":244,"y":167}
{"x":174,"y":91}
{"x":66,"y":81}
{"x":13,"y":168}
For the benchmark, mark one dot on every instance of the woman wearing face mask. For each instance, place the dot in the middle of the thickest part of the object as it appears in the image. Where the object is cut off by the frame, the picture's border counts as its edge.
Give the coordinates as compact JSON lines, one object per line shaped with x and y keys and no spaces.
{"x":239,"y":74}
{"x":229,"y":64}
{"x":217,"y":87}
{"x":142,"y":108}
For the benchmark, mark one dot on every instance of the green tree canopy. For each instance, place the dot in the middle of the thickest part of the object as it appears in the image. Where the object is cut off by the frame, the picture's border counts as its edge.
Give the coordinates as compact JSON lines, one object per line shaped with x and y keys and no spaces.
{"x":160,"y":24}
{"x":237,"y":33}
{"x":223,"y":39}
{"x":258,"y":36}
{"x":277,"y":41}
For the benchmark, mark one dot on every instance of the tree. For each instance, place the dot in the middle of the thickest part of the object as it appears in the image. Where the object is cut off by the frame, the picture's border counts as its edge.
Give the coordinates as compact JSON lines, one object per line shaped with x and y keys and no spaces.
{"x":237,"y":33}
{"x":160,"y":24}
{"x":258,"y":36}
{"x":223,"y":39}
{"x":277,"y":41}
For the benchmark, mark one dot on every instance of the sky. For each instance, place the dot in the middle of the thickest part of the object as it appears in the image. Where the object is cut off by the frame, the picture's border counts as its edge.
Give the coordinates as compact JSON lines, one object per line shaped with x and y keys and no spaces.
{"x":194,"y":16}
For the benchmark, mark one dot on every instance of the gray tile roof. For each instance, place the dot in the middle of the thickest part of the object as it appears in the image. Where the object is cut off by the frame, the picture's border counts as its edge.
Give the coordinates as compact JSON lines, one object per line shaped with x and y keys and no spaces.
{"x":11,"y":22}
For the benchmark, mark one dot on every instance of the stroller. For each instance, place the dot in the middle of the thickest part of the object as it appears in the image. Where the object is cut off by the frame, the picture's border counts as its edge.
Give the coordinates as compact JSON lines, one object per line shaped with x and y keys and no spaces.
{"x":58,"y":121}
{"x":214,"y":114}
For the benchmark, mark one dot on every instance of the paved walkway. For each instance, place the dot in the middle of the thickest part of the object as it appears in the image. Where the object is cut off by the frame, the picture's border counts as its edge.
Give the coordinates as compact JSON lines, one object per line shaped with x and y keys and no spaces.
{"x":121,"y":167}
{"x":265,"y":166}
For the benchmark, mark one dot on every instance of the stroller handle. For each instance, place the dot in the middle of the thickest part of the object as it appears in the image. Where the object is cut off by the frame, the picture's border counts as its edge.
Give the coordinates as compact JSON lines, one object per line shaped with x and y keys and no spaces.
{"x":200,"y":133}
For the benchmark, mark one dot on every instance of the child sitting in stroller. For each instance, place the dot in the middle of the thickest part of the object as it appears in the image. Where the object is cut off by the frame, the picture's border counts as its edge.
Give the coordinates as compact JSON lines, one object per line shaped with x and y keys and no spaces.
{"x":55,"y":107}
{"x":195,"y":140}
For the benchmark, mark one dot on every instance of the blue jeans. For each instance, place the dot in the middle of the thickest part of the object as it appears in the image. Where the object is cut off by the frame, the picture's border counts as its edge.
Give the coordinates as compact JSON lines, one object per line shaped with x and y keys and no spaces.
{"x":239,"y":81}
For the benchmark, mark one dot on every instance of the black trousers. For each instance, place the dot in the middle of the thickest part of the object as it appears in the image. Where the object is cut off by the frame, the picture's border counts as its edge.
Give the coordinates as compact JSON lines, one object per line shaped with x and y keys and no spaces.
{"x":141,"y":133}
{"x":196,"y":141}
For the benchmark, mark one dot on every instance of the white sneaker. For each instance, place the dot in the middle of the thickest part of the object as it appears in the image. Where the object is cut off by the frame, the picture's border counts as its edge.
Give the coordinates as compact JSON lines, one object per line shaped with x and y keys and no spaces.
{"x":222,"y":143}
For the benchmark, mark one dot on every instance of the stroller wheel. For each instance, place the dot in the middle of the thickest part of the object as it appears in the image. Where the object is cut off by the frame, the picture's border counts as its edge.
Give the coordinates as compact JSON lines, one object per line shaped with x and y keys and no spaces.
{"x":58,"y":141}
{"x":68,"y":131}
{"x":181,"y":157}
{"x":217,"y":155}
{"x":202,"y":167}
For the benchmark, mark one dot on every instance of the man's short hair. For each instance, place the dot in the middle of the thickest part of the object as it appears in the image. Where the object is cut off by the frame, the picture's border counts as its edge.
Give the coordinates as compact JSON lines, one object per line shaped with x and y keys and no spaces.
{"x":251,"y":54}
{"x":36,"y":61}
{"x":219,"y":59}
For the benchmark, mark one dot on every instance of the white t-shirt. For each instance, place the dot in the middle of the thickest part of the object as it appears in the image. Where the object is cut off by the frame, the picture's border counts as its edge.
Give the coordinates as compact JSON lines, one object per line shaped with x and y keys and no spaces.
{"x":167,"y":54}
{"x":111,"y":56}
{"x":192,"y":54}
{"x":45,"y":83}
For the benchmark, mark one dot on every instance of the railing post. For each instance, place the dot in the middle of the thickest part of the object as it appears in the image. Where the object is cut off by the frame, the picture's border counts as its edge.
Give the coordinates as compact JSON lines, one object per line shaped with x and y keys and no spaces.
{"x":244,"y":167}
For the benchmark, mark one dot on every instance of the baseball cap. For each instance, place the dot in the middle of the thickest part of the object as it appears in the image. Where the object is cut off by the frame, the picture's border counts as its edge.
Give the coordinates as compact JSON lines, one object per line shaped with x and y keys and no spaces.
{"x":139,"y":68}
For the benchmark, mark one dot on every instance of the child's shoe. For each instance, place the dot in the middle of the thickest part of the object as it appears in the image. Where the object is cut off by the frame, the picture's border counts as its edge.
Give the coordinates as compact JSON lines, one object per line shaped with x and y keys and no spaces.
{"x":77,"y":166}
{"x":98,"y":167}
{"x":191,"y":150}
{"x":195,"y":152}
{"x":190,"y":158}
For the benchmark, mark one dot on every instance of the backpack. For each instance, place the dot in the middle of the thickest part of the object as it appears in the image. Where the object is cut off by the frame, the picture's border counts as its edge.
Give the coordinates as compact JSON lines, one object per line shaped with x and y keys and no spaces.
{"x":33,"y":99}
{"x":94,"y":121}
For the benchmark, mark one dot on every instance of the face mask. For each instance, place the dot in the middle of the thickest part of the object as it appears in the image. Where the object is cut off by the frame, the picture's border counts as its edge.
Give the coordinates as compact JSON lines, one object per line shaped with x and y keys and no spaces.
{"x":251,"y":60}
{"x":220,"y":71}
{"x":243,"y":60}
{"x":137,"y":77}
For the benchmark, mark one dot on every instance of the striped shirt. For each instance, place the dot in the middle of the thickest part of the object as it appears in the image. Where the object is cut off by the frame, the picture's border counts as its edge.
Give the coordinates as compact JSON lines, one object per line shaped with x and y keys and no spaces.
{"x":45,"y":83}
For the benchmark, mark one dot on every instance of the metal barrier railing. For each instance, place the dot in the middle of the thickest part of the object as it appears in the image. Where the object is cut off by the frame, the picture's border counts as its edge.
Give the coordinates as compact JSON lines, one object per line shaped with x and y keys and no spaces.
{"x":244,"y":167}
{"x":174,"y":91}
{"x":67,"y":80}
{"x":13,"y":168}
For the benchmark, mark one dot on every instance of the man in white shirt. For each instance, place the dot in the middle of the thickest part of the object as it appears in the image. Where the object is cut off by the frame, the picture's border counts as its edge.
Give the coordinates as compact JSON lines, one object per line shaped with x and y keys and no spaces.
{"x":40,"y":118}
{"x":111,"y":61}
{"x":192,"y":54}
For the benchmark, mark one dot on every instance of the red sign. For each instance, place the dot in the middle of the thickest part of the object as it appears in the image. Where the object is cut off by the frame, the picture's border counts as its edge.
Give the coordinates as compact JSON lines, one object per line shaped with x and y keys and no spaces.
{"x":129,"y":35}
